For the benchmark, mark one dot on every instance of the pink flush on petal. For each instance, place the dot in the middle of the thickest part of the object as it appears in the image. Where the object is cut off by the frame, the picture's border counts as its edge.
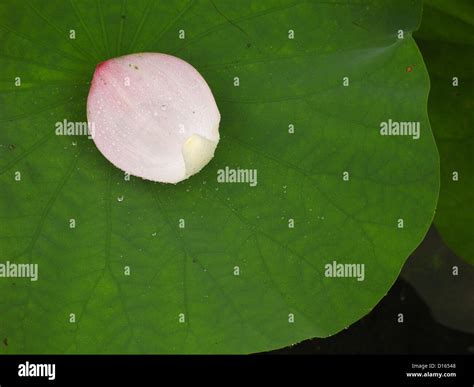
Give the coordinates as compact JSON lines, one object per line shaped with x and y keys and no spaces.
{"x":154,"y":116}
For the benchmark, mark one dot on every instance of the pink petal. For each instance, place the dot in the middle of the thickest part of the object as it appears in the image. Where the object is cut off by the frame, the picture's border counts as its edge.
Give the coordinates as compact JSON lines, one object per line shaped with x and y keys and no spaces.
{"x":153,"y":116}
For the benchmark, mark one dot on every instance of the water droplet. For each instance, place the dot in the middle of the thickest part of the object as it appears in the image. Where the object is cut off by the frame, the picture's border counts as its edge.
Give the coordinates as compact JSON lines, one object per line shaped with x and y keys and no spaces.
{"x":163,"y":107}
{"x":74,"y":143}
{"x":153,"y":233}
{"x":120,"y":198}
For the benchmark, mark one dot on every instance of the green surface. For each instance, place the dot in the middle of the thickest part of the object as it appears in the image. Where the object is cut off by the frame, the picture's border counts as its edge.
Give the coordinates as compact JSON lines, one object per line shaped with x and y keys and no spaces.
{"x":446,"y":40}
{"x":190,"y":270}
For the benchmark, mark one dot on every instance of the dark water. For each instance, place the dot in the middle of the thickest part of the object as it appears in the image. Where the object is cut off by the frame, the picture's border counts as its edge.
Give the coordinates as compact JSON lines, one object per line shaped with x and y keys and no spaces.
{"x":437,"y":308}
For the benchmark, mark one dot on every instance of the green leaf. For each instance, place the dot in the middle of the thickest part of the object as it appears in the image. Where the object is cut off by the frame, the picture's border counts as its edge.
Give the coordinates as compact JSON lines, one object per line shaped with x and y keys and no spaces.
{"x":83,"y":301}
{"x":446,"y":40}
